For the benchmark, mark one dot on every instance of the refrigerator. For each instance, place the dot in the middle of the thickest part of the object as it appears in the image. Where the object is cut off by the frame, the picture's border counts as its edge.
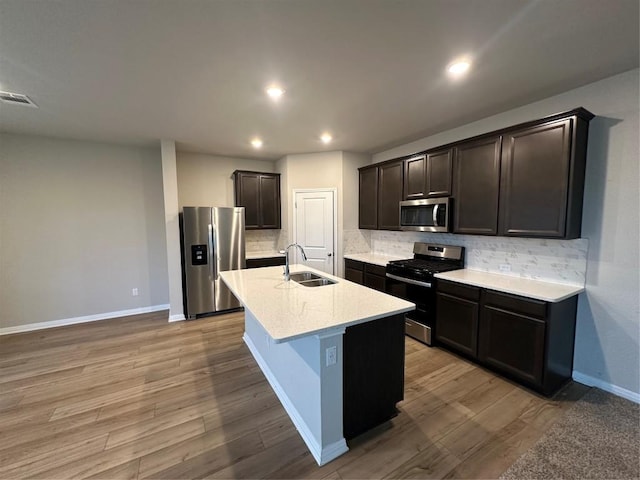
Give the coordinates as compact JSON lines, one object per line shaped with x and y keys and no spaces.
{"x":212,"y":242}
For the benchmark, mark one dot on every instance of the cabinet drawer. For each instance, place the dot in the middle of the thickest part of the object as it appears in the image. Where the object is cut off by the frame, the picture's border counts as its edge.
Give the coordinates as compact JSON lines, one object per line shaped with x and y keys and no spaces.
{"x":353,"y":264}
{"x":459,"y":290}
{"x":375,"y":269}
{"x":527,"y":306}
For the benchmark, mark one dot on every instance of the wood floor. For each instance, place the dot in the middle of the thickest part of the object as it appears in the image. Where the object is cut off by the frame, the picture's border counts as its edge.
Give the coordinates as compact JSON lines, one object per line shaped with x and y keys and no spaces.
{"x":137,"y":397}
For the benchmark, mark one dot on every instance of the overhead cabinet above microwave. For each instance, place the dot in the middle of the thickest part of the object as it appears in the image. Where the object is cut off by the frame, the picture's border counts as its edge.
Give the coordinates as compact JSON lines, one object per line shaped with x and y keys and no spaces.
{"x":524,"y":181}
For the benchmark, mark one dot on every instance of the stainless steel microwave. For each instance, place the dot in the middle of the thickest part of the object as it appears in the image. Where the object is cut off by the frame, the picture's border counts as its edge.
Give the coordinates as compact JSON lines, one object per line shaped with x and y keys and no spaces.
{"x":426,"y":215}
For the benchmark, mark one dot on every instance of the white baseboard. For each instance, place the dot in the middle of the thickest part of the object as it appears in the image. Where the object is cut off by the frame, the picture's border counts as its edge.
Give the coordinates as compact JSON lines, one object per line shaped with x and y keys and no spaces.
{"x":321,"y":455}
{"x":177,"y":318}
{"x":75,"y":320}
{"x":606,"y":386}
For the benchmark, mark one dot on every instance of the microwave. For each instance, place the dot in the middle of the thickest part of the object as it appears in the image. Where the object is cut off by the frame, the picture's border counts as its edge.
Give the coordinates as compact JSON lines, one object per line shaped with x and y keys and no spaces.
{"x":426,"y":215}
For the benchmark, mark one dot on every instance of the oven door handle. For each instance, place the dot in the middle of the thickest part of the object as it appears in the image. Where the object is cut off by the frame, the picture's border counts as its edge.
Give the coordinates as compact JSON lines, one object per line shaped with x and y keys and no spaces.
{"x":409,"y":280}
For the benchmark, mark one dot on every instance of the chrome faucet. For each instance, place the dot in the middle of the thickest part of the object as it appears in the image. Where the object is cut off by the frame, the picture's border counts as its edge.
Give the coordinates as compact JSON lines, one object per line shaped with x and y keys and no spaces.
{"x":286,"y":274}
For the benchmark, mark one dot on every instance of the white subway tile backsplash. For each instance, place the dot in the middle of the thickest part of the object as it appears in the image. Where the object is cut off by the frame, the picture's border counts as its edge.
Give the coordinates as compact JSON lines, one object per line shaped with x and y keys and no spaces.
{"x":561,"y":261}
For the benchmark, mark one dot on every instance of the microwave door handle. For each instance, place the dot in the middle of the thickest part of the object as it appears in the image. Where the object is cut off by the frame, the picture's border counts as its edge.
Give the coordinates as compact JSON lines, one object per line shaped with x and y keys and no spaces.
{"x":435,"y":215}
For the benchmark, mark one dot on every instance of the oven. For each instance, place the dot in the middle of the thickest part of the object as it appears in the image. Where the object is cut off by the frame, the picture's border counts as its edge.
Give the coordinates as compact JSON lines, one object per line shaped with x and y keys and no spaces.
{"x":413,"y":279}
{"x":420,"y":322}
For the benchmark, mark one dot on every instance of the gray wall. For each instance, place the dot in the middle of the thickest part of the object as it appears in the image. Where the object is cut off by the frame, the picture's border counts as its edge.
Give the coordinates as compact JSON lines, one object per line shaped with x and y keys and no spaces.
{"x":608,"y":330}
{"x":81,"y":224}
{"x":206,"y":180}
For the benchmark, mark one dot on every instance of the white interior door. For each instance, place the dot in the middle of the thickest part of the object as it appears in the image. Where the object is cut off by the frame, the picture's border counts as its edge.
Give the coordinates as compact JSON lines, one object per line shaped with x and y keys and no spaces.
{"x":314,"y":228}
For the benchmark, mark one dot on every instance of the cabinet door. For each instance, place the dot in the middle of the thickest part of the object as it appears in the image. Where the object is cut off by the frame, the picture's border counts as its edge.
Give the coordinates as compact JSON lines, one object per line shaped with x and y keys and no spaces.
{"x":438,"y":175}
{"x":535,"y":181}
{"x":353,"y":271}
{"x":375,"y":277}
{"x":248,"y":196}
{"x":373,"y":373}
{"x":415,"y":177}
{"x":476,"y":187}
{"x":389,"y":195}
{"x":269,"y":201}
{"x":368,"y":198}
{"x":457,"y":323}
{"x":512,"y":343}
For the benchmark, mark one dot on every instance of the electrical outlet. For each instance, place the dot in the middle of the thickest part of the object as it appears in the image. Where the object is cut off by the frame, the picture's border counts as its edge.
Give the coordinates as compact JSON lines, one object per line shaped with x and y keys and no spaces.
{"x":332,"y":356}
{"x":505,"y":267}
{"x":134,"y":292}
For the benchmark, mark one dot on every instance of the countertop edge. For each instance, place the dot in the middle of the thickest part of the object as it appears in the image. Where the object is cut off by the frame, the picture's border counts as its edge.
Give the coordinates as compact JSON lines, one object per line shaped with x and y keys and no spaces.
{"x":340,"y":327}
{"x":373,"y":258}
{"x":569,"y":290}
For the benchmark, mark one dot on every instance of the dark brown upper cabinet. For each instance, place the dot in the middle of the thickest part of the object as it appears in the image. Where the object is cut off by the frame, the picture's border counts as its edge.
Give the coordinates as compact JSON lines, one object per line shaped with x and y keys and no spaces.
{"x":439,"y":166}
{"x":526,"y":180}
{"x":542,"y":180}
{"x":428,"y":175}
{"x":368,"y":198}
{"x":390,"y":184}
{"x":259,"y":194}
{"x":415,"y":177}
{"x":476,"y":186}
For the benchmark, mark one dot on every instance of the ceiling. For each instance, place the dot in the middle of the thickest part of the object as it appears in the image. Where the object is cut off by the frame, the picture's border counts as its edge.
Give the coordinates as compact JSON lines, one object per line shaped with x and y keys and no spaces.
{"x":372,"y":72}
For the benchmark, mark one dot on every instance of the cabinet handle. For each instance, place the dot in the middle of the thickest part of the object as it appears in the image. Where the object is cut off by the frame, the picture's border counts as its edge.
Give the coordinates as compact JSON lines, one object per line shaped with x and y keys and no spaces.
{"x":329,"y":254}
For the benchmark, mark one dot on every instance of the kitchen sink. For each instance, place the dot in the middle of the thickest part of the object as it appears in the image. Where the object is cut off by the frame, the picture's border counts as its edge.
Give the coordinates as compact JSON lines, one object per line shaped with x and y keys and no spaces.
{"x":317,"y":283}
{"x":310,"y":279}
{"x":304,"y":276}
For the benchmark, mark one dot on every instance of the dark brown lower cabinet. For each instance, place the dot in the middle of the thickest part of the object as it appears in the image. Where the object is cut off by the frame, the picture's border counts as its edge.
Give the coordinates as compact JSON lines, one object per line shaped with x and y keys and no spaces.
{"x":457,"y":323}
{"x":354,"y":271}
{"x":375,"y":277}
{"x":373,"y":375}
{"x":513,"y":343}
{"x":265,"y":262}
{"x":367,"y":274}
{"x":527,"y":340}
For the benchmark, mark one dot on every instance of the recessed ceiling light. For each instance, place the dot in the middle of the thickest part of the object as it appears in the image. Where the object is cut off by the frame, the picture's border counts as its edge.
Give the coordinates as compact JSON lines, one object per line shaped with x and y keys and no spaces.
{"x":326,"y":138}
{"x":458,"y":68}
{"x":275,"y":92}
{"x":256,"y":143}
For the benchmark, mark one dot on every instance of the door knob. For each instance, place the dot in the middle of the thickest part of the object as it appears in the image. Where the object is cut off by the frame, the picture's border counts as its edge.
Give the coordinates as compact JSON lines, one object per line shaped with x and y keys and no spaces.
{"x":329,"y":254}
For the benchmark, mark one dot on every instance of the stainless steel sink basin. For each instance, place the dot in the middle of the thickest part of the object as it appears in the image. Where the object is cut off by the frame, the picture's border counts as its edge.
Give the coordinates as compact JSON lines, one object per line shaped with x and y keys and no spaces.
{"x":310,"y":279}
{"x":304,"y":276}
{"x":317,"y":283}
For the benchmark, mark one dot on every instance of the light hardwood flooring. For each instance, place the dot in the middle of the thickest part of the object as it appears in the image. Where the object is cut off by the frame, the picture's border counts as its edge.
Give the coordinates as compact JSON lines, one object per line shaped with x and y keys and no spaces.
{"x":137,"y":397}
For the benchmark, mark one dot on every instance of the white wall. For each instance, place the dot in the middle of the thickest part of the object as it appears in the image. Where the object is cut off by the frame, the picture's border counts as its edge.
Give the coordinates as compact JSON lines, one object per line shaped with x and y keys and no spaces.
{"x":81,"y":225}
{"x":608,"y":331}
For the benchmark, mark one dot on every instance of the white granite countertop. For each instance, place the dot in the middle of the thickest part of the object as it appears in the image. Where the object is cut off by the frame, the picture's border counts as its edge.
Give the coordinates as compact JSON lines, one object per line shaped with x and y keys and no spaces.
{"x":375,"y":258}
{"x":539,"y":290}
{"x":288,"y":310}
{"x":264,"y":254}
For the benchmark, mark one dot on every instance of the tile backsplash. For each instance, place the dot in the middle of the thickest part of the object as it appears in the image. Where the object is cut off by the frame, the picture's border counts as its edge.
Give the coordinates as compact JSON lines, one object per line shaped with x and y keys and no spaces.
{"x":356,"y":241}
{"x":560,"y":261}
{"x":262,"y":240}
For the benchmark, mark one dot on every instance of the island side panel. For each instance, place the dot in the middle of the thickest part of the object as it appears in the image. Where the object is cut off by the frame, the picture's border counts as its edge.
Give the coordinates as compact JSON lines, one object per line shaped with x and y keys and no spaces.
{"x":373,"y":373}
{"x":309,"y":390}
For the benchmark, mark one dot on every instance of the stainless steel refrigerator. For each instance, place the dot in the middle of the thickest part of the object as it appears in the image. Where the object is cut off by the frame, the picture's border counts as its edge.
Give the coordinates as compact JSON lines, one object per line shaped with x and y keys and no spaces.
{"x":212,"y":242}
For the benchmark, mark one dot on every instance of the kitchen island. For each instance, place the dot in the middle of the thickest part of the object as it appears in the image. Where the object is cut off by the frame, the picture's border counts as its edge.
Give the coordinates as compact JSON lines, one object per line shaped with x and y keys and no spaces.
{"x":333,"y":354}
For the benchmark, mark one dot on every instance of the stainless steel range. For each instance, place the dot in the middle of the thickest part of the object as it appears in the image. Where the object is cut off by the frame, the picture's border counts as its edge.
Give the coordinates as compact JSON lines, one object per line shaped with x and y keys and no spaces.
{"x":413,"y":280}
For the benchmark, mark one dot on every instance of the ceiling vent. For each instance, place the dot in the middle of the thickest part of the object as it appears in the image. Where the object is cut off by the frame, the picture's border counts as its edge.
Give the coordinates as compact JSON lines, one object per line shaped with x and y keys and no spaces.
{"x":16,"y":99}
